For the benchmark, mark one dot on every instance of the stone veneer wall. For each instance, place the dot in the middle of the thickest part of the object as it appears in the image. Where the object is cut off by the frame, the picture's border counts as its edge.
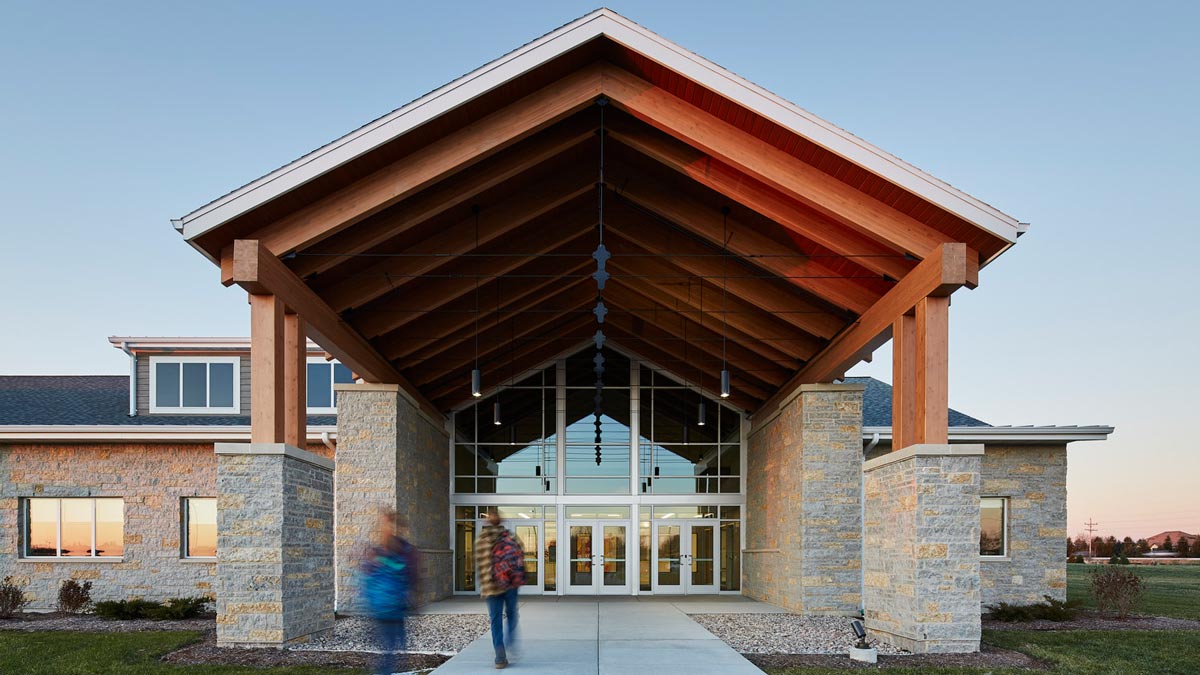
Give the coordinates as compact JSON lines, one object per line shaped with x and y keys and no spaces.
{"x":1034,"y":479}
{"x":921,"y":551}
{"x":803,"y":519}
{"x":389,"y":454}
{"x":274,"y":542}
{"x":152,"y":479}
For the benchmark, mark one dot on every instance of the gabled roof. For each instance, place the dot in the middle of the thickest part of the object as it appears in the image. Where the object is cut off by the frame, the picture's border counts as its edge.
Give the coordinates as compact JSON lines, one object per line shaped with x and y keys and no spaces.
{"x":602,"y":22}
{"x":877,"y":406}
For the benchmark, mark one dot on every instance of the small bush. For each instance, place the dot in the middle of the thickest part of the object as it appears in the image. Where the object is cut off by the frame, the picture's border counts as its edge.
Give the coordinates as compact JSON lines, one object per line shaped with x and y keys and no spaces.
{"x":12,"y":599}
{"x":74,"y":597}
{"x":175,"y":609}
{"x":1118,"y":560}
{"x":1048,"y":610}
{"x":1078,"y":559}
{"x":1117,"y":590}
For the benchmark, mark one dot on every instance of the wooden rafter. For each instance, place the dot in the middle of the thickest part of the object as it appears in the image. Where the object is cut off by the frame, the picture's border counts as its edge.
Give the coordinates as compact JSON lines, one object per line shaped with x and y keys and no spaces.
{"x":439,"y":159}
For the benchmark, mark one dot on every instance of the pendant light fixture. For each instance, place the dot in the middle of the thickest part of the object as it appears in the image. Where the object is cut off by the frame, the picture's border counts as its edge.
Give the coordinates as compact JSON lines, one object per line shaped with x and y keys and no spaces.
{"x":724,"y":299}
{"x":700,"y":413}
{"x":601,"y":275}
{"x":496,"y":403}
{"x":476,"y":376}
{"x":496,"y":411}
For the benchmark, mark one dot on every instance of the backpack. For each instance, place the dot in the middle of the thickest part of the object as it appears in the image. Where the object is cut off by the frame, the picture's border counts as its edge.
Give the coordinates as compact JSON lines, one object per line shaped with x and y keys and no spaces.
{"x":508,"y":563}
{"x":386,"y":583}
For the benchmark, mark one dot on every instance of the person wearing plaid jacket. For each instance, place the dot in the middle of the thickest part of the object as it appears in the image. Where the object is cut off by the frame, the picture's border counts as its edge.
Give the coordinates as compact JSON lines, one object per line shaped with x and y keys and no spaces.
{"x":501,"y":601}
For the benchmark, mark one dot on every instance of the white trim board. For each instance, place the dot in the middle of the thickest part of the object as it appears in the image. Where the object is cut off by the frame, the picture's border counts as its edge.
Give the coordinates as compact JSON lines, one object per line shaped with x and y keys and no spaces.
{"x":602,"y":22}
{"x":1064,"y":434}
{"x":139,"y":433}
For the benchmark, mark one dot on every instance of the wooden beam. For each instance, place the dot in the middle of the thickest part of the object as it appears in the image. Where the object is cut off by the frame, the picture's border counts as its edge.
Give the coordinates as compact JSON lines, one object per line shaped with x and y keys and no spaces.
{"x":932,"y":376}
{"x":753,"y":247}
{"x":904,"y":381}
{"x":495,"y":221}
{"x":764,"y":162}
{"x":267,"y":358}
{"x":949,"y":267}
{"x":697,"y":258}
{"x":452,"y":192}
{"x":421,"y":168}
{"x":259,"y":272}
{"x":295,"y":392}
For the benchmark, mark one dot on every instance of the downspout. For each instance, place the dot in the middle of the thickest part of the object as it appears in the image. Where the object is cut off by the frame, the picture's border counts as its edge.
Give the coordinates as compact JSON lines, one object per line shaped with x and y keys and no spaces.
{"x":327,"y":441}
{"x":862,"y":524}
{"x":132,"y":379}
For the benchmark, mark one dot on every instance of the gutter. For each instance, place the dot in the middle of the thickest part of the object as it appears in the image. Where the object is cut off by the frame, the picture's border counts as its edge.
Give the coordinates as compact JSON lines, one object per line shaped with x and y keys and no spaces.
{"x":862,"y":524}
{"x":1030,"y":434}
{"x":124,"y":346}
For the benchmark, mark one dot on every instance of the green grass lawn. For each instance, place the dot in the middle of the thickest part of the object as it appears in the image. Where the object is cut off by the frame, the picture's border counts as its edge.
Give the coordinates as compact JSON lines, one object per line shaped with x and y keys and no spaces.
{"x":1170,"y":590}
{"x":63,"y":653}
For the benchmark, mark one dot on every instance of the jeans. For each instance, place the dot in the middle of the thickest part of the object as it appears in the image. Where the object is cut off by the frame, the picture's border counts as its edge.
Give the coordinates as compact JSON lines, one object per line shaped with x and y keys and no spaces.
{"x":498,"y":606}
{"x":392,"y":637}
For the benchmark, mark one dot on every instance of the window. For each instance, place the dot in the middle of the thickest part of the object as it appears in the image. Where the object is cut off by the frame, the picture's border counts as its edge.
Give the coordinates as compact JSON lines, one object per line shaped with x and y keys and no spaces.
{"x":993,"y":527}
{"x":74,"y":527}
{"x":195,"y":384}
{"x":199,"y":527}
{"x":319,"y":379}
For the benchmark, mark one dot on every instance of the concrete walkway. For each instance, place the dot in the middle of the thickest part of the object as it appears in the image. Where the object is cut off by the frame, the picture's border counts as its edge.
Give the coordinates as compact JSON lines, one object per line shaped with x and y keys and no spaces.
{"x":603,"y":636}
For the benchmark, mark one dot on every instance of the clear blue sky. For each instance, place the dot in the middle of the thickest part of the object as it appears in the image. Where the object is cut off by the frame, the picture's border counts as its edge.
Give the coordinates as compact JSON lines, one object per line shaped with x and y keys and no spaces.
{"x":1080,"y":118}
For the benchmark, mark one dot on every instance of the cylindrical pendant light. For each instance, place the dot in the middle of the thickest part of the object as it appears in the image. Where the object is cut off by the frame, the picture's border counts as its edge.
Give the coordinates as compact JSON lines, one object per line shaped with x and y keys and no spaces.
{"x":724,"y":384}
{"x":496,"y":412}
{"x":476,"y":383}
{"x":700,"y":414}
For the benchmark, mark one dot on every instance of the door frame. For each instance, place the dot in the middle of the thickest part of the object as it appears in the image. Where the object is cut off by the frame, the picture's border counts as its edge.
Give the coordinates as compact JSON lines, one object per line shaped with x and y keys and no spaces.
{"x":685,"y":586}
{"x":597,"y":586}
{"x":532,"y":586}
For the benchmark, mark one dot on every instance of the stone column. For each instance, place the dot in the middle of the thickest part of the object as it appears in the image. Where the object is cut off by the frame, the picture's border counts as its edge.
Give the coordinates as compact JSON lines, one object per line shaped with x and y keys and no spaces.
{"x":391,"y":455}
{"x":803,"y":511}
{"x":274,"y":543}
{"x":921,"y":551}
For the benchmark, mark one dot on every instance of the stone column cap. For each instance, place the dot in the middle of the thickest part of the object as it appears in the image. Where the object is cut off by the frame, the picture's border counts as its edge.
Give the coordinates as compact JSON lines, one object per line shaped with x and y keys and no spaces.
{"x":831,"y":386}
{"x":274,"y":449}
{"x":925,"y":450}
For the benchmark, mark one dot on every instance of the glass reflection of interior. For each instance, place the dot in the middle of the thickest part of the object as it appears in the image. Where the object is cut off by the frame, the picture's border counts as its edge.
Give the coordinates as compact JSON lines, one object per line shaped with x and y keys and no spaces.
{"x":991,"y":526}
{"x":580,"y":568}
{"x":551,"y":556}
{"x":201,"y":514}
{"x":614,"y":555}
{"x":669,"y":558}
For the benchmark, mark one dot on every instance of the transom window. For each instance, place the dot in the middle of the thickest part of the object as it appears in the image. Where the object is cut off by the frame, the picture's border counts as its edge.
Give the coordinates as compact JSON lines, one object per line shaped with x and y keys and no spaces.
{"x":319,"y":380}
{"x":195,"y":384}
{"x":199,"y":527}
{"x":85,"y":527}
{"x":993,"y":527}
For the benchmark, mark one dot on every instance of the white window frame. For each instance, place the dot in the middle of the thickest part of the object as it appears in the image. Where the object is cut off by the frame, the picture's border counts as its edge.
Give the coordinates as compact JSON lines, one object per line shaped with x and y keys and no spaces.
{"x":1003,"y":528}
{"x":236,"y":361}
{"x":25,"y":501}
{"x":320,"y":411}
{"x":185,"y":516}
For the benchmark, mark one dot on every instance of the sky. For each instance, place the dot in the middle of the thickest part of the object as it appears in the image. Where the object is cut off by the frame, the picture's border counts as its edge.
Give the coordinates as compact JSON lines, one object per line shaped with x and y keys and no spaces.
{"x":1079,"y":118}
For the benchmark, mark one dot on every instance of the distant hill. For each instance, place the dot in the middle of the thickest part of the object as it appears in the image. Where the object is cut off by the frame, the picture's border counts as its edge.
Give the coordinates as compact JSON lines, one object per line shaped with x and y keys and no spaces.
{"x":1175,"y":535}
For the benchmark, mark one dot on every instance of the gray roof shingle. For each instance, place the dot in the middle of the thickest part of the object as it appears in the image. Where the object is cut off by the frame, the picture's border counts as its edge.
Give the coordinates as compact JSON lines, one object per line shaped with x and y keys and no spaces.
{"x":877,"y":406}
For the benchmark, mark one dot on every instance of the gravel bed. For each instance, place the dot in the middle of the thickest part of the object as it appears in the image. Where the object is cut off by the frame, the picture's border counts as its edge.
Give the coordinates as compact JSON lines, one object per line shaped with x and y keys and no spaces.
{"x":785,"y":633}
{"x":988,"y":657}
{"x":427,"y":634}
{"x":89,"y":623}
{"x":1092,"y":620}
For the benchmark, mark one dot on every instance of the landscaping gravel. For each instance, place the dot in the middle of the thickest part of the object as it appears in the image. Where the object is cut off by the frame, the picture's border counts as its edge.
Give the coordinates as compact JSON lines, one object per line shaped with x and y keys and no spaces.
{"x":427,"y":634}
{"x":785,"y":633}
{"x":89,"y":623}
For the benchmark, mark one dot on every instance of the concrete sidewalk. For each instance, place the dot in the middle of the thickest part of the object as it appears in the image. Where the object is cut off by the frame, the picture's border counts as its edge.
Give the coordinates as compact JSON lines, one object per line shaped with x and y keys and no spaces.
{"x":610,"y":635}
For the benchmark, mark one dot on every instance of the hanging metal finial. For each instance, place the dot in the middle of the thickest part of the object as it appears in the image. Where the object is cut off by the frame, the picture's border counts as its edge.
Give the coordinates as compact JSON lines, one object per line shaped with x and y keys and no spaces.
{"x":601,"y":255}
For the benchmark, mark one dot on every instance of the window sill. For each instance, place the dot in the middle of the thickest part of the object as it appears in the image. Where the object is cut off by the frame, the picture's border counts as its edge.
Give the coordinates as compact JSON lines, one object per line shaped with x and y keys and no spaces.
{"x":198,"y":561}
{"x":109,"y":561}
{"x":995,"y":558}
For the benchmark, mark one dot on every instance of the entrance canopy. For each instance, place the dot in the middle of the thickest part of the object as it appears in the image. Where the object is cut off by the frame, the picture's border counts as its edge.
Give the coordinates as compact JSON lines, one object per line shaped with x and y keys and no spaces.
{"x":745,"y":234}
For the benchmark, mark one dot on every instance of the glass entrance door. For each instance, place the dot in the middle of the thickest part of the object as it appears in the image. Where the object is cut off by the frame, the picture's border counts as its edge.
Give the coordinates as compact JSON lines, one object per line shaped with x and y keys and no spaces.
{"x":597,"y":557}
{"x":685,"y":557}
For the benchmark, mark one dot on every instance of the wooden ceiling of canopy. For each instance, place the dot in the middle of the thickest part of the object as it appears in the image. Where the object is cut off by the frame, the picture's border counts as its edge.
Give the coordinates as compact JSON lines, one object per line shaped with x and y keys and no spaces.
{"x":733,"y":239}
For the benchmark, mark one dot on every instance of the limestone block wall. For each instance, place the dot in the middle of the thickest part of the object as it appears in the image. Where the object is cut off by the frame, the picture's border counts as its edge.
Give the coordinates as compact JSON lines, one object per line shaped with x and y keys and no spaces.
{"x":152,"y":479}
{"x":390,"y":455}
{"x":1034,"y":479}
{"x":274,"y":543}
{"x":921,"y":548}
{"x":803,"y":518}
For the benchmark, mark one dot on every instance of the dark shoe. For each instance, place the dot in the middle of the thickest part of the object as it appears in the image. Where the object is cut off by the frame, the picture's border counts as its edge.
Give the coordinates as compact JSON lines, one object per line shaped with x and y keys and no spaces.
{"x":501,"y":664}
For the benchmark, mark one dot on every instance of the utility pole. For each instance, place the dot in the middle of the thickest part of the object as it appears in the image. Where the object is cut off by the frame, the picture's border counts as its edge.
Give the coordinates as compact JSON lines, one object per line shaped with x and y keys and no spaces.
{"x":1091,"y":527}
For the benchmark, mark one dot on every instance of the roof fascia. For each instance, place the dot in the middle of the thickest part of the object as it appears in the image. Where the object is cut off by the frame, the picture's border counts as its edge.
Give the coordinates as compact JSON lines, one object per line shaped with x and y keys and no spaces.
{"x":140,"y":433}
{"x":602,"y":22}
{"x":134,"y":343}
{"x":1010,"y":434}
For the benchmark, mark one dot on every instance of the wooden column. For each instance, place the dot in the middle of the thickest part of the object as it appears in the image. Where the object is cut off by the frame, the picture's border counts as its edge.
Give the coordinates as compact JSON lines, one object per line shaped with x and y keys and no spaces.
{"x":295,"y":392}
{"x":933,"y":372}
{"x":266,"y":369}
{"x":904,"y":381}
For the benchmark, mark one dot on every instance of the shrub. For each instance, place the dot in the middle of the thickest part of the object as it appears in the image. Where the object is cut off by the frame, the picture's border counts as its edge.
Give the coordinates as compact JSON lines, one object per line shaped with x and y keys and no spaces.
{"x":12,"y":598}
{"x":1118,"y":560}
{"x":1048,"y":610}
{"x":1077,"y":560}
{"x":175,"y":609}
{"x":74,"y":597}
{"x":1116,"y":589}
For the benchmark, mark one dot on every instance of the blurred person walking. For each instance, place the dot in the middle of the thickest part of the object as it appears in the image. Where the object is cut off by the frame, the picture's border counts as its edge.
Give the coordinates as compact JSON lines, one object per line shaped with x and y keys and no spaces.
{"x":389,"y":580}
{"x":501,"y":573}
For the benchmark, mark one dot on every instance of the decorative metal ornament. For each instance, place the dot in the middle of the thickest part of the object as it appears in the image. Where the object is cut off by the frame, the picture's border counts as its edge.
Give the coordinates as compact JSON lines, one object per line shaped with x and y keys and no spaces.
{"x":601,"y":255}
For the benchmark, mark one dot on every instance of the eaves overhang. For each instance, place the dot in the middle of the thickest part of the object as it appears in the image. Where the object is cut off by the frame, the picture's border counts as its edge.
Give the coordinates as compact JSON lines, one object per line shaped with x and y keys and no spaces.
{"x":1010,"y":434}
{"x":129,"y":433}
{"x":601,"y":23}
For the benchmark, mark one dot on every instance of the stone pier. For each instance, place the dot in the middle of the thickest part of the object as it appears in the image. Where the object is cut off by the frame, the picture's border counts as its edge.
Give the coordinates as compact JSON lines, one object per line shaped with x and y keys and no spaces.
{"x":803,"y":489}
{"x":391,"y":455}
{"x":921,"y":548}
{"x":274,"y":544}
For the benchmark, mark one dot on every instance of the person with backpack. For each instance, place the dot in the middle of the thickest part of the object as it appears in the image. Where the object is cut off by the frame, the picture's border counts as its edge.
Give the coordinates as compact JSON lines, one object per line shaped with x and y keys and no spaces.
{"x":389,"y":576}
{"x":501,"y":572}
